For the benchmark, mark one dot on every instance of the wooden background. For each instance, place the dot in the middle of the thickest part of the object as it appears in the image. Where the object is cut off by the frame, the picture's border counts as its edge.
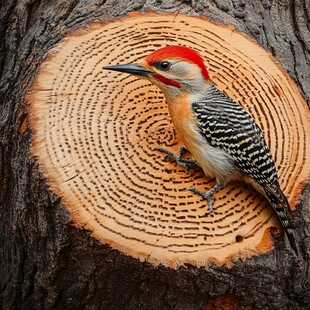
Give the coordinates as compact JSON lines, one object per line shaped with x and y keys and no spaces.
{"x":95,"y":134}
{"x":45,"y":261}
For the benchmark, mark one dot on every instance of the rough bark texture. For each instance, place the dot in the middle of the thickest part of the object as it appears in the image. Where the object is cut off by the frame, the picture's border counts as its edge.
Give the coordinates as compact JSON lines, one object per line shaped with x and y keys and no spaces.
{"x":47,"y":263}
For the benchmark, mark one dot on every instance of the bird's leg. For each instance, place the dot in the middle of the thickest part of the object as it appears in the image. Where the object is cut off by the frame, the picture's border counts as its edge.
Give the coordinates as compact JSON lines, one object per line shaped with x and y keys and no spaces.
{"x":209,"y":194}
{"x":186,"y":163}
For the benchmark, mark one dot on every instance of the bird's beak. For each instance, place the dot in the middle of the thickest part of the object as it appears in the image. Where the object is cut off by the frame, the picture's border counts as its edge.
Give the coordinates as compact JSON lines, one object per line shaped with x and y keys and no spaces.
{"x":134,"y":69}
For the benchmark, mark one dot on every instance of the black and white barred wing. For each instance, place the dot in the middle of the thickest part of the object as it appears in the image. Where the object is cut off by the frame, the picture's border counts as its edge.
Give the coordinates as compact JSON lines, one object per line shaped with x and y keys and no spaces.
{"x":227,"y":126}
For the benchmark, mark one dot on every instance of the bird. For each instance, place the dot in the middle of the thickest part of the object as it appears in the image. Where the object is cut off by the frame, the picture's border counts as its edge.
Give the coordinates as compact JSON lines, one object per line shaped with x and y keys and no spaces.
{"x":222,"y":137}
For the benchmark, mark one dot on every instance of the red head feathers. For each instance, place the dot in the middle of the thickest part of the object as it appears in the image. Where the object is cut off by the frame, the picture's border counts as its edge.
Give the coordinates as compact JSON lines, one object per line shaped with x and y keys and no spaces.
{"x":178,"y":52}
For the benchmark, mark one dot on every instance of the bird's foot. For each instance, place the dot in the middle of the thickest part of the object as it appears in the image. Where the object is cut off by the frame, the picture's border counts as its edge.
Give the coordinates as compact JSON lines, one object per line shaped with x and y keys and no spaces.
{"x":186,"y":163}
{"x":208,"y":195}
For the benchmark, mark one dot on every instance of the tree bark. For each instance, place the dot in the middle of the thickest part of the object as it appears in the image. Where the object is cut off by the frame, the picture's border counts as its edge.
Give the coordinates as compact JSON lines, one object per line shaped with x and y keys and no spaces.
{"x":45,"y":261}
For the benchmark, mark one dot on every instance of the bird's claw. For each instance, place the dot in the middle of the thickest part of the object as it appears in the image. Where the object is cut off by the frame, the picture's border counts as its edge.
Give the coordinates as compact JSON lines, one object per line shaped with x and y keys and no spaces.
{"x":205,"y":195}
{"x":186,"y":163}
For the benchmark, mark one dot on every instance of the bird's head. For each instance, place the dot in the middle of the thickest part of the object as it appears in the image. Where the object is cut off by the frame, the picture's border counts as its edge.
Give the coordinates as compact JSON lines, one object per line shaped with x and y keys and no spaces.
{"x":174,"y":69}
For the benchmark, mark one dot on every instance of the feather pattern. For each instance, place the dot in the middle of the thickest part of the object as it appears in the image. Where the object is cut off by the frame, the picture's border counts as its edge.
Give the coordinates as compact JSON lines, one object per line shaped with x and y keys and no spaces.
{"x":228,"y":127}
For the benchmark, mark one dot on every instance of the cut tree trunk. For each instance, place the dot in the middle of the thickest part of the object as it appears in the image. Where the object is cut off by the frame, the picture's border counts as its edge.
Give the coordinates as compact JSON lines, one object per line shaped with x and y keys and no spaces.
{"x":76,"y":229}
{"x":95,"y":134}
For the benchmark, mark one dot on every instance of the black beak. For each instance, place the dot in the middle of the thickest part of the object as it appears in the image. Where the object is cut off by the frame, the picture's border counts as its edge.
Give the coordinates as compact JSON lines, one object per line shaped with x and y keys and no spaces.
{"x":130,"y":68}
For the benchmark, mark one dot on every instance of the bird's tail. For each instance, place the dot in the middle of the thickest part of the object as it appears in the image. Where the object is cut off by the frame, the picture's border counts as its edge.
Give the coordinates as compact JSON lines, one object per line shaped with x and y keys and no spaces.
{"x":280,"y":204}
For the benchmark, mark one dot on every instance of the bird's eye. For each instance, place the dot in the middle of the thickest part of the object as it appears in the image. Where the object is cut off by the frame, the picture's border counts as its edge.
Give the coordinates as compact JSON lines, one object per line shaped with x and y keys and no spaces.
{"x":163,"y":65}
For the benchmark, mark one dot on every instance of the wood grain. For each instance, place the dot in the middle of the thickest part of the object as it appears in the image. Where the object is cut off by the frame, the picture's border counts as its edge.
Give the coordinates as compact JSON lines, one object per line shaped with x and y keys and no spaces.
{"x":95,"y":133}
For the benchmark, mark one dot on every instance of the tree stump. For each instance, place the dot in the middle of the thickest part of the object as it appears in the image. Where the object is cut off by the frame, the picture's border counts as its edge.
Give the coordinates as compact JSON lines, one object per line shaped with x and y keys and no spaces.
{"x":45,"y":261}
{"x":95,"y":134}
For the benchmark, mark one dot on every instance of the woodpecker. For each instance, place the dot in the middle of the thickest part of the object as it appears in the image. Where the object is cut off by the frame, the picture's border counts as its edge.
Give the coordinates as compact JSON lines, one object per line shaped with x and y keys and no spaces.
{"x":222,"y":137}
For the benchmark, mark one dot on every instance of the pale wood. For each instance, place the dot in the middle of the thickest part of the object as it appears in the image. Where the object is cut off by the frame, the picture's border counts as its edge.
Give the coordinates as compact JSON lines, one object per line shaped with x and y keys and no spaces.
{"x":95,"y":133}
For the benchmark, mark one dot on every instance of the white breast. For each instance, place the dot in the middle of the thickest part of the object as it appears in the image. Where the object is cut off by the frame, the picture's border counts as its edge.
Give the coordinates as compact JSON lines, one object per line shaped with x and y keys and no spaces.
{"x":214,"y":162}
